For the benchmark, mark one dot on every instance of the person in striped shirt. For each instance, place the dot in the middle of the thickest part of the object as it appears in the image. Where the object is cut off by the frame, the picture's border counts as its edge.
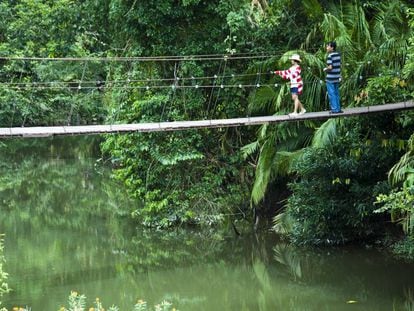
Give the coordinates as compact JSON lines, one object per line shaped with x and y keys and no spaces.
{"x":296,"y":83}
{"x":333,"y":76}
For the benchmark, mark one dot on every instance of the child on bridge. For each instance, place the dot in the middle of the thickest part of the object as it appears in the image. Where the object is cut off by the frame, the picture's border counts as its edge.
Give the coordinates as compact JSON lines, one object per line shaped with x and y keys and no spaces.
{"x":296,"y":83}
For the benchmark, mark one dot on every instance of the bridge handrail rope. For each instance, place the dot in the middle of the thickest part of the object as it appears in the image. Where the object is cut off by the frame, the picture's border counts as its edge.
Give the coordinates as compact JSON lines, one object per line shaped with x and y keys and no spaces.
{"x":91,"y":85}
{"x":190,"y":57}
{"x":113,"y":83}
{"x":205,"y":57}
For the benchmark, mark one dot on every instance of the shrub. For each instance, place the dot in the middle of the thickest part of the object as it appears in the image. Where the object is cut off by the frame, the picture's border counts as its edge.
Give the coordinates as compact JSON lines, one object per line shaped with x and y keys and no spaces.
{"x":333,"y":196}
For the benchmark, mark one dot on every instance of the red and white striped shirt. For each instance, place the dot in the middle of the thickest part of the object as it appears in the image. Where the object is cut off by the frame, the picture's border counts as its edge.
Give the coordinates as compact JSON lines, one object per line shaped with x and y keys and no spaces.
{"x":293,"y":73}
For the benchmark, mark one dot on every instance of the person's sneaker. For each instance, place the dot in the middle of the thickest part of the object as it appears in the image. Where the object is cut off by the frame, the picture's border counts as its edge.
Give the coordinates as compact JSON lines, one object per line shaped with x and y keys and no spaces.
{"x":302,"y":111}
{"x":293,"y":114}
{"x":335,"y":112}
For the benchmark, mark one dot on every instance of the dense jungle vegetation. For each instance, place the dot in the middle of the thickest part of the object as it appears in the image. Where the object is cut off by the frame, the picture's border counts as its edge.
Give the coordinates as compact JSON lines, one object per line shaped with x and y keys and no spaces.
{"x":322,"y":182}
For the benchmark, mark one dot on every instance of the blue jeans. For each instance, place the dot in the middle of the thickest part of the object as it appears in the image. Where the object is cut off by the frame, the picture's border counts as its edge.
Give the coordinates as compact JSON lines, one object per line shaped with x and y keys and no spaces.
{"x":333,"y":94}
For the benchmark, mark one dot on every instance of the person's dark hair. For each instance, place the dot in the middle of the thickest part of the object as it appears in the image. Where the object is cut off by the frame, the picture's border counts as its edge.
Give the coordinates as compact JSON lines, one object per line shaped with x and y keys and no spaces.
{"x":332,"y":44}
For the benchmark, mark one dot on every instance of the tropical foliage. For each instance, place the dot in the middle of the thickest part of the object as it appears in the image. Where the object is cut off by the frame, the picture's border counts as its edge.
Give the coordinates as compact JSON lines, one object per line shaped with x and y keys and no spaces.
{"x":4,"y":288}
{"x":43,"y":92}
{"x":326,"y":156}
{"x":398,"y":202}
{"x":191,"y":72}
{"x":193,"y":176}
{"x":364,"y":59}
{"x":333,"y":196}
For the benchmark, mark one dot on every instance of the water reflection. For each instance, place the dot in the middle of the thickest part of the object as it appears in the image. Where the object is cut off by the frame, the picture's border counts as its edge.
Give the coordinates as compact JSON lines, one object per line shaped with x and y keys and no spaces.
{"x":367,"y":279}
{"x":66,"y":230}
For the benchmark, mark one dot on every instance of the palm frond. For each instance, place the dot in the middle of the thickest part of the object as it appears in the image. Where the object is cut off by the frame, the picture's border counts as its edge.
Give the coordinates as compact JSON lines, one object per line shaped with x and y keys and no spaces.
{"x":263,"y":171}
{"x":250,"y":149}
{"x":282,"y":224}
{"x":287,"y":256}
{"x":286,"y":160}
{"x":262,"y":132}
{"x":395,"y":50}
{"x":358,"y":25}
{"x":312,"y":8}
{"x":398,"y":172}
{"x":283,"y":161}
{"x":311,"y":37}
{"x":262,"y":99}
{"x":280,"y":101}
{"x":390,"y":21}
{"x":356,"y":78}
{"x":314,"y":94}
{"x":325,"y":134}
{"x":333,"y":28}
{"x":270,"y":165}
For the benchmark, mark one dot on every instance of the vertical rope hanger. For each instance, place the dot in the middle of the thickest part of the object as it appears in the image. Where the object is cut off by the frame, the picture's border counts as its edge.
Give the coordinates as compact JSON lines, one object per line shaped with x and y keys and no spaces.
{"x":26,"y":95}
{"x":174,"y":90}
{"x":175,"y":85}
{"x":124,"y":94}
{"x":14,"y":99}
{"x":77,"y":92}
{"x":206,"y":116}
{"x":31,"y":101}
{"x":221,"y":79}
{"x":257,"y":83}
{"x":108,"y":78}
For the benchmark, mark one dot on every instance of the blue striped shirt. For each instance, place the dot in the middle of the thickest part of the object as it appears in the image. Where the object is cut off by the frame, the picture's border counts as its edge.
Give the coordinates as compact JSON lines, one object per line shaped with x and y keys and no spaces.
{"x":334,"y":60}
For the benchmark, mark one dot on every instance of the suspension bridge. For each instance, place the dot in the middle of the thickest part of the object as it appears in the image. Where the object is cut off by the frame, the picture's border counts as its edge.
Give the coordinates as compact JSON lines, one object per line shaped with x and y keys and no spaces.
{"x":221,"y":80}
{"x":46,"y":131}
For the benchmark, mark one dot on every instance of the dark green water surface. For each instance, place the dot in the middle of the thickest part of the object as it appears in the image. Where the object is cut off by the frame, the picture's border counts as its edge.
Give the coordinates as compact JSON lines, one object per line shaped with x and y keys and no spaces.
{"x":66,"y":229}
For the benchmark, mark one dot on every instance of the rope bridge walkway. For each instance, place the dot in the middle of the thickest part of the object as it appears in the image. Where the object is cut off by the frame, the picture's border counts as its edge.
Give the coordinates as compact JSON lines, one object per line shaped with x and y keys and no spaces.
{"x":45,"y":131}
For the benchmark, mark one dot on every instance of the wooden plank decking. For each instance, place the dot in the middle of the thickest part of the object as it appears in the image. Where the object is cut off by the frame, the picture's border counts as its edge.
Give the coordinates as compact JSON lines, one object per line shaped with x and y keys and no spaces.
{"x":45,"y":131}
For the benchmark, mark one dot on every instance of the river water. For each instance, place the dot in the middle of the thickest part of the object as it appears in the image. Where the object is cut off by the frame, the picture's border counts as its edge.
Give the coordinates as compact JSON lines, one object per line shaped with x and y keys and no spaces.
{"x":67,"y":229}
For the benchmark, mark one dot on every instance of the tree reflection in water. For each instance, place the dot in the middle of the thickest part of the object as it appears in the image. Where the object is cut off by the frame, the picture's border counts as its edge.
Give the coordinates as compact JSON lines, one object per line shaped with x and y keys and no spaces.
{"x":66,"y":229}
